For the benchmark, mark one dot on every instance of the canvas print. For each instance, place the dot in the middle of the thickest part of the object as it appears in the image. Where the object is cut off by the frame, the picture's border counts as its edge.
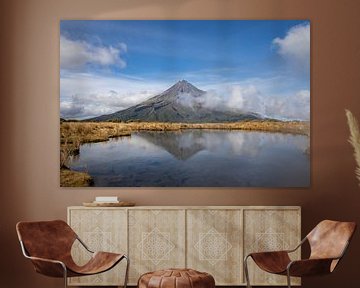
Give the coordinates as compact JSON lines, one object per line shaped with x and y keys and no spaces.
{"x":179,"y":103}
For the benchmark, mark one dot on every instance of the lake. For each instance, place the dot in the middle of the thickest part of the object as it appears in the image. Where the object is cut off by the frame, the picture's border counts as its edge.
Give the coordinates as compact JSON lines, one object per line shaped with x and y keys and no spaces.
{"x":198,"y":158}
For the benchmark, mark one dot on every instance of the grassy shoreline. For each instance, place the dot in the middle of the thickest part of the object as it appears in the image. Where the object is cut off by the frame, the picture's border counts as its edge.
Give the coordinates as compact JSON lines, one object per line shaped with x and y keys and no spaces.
{"x":73,"y":134}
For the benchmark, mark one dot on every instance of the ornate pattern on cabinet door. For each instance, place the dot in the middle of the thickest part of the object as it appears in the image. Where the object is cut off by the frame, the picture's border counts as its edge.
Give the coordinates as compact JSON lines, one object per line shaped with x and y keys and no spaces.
{"x":156,"y":241}
{"x":101,"y":230}
{"x":214,"y":244}
{"x":270,"y":230}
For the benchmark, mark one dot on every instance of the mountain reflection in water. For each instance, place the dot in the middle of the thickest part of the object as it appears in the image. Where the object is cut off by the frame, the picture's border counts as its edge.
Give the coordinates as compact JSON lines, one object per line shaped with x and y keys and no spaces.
{"x":181,"y":145}
{"x":198,"y":158}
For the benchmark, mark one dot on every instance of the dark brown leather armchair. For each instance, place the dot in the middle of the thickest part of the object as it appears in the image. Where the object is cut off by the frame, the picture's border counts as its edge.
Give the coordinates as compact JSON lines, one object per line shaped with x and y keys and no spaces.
{"x":328,"y":242}
{"x":48,"y":245}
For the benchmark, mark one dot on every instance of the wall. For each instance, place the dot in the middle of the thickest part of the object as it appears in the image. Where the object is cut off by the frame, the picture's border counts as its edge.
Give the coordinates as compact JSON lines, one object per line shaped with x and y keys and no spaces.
{"x":29,"y":111}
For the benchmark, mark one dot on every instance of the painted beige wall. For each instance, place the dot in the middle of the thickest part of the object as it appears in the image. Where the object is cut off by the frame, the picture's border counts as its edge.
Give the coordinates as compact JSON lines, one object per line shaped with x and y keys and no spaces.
{"x":29,"y":111}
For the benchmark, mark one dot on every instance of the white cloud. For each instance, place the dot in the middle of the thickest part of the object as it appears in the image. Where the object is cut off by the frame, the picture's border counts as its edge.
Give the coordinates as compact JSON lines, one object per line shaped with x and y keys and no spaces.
{"x":295,"y":47}
{"x":84,"y":106}
{"x":76,"y":54}
{"x":293,"y":106}
{"x":253,"y":98}
{"x":227,"y":97}
{"x":84,"y":95}
{"x":247,"y":98}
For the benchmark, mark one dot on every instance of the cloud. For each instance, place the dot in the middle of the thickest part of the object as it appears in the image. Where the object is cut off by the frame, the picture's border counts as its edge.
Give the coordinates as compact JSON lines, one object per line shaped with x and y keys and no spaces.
{"x":293,"y":106}
{"x":295,"y":47}
{"x":227,"y":98}
{"x":77,"y":54}
{"x":91,"y":105}
{"x":247,"y":98}
{"x":85,"y":95}
{"x":253,"y":98}
{"x":69,"y":109}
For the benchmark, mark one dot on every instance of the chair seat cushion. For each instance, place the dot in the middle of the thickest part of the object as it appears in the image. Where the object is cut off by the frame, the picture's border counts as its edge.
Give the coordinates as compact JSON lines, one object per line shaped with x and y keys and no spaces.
{"x":176,"y":278}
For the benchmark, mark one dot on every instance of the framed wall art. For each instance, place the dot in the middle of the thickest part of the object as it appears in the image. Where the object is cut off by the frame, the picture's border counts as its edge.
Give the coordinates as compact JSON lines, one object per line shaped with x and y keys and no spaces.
{"x":185,"y":103}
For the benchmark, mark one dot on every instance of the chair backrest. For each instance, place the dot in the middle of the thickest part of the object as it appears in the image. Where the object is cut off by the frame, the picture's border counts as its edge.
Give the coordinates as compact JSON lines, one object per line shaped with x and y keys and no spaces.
{"x":46,"y":239}
{"x":329,"y":239}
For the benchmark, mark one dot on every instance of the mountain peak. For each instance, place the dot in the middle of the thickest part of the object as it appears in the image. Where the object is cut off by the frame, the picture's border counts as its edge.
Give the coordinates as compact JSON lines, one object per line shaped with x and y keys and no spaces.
{"x":183,"y":82}
{"x":184,"y":86}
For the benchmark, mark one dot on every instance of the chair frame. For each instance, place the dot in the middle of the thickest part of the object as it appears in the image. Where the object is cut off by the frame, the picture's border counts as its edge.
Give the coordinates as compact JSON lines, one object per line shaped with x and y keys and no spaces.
{"x":26,"y":255}
{"x":288,"y":276}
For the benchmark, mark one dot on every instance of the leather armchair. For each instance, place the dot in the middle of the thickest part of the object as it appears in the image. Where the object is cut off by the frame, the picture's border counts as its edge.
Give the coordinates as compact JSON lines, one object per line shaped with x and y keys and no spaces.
{"x":48,"y":245}
{"x":328,"y":242}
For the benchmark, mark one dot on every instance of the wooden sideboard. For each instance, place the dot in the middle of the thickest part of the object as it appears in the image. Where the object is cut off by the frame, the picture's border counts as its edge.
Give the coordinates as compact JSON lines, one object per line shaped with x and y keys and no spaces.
{"x":212,"y":239}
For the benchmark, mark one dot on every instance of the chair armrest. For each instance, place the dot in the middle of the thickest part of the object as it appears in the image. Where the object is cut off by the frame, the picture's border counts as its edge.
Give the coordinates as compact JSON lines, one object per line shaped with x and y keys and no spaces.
{"x":309,"y":267}
{"x":48,"y":267}
{"x":45,"y":260}
{"x":268,"y":253}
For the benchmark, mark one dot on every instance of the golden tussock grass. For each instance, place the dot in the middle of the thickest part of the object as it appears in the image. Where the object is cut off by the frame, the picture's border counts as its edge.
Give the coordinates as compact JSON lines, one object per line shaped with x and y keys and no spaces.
{"x":76,"y":133}
{"x":69,"y":178}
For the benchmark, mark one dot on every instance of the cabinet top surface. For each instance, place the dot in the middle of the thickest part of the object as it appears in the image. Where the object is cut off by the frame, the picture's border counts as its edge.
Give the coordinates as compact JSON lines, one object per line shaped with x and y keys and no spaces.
{"x":192,"y":207}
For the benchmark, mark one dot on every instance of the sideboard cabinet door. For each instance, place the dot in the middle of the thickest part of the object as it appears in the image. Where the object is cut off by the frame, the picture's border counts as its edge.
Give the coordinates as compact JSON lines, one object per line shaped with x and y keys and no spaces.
{"x":270,"y":230}
{"x":101,"y":230}
{"x":214,"y":244}
{"x":156,"y":240}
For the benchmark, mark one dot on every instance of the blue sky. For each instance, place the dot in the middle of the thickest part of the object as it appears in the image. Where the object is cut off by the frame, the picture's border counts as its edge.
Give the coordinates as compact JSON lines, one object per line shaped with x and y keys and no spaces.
{"x":107,"y":66}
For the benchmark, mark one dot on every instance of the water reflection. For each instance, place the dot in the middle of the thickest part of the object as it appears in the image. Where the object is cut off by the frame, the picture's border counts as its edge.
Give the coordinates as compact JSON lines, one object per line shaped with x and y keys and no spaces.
{"x":198,"y":158}
{"x":181,"y":145}
{"x":184,"y":145}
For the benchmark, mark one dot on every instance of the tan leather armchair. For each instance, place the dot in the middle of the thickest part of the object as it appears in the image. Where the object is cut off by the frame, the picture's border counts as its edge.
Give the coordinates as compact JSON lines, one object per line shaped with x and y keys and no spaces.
{"x":328,"y":242}
{"x":48,"y":245}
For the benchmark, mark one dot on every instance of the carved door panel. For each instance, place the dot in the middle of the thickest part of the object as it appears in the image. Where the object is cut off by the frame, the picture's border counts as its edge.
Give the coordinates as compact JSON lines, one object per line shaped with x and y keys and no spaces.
{"x":156,"y":240}
{"x":270,"y":230}
{"x":101,"y":230}
{"x":214,"y":244}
